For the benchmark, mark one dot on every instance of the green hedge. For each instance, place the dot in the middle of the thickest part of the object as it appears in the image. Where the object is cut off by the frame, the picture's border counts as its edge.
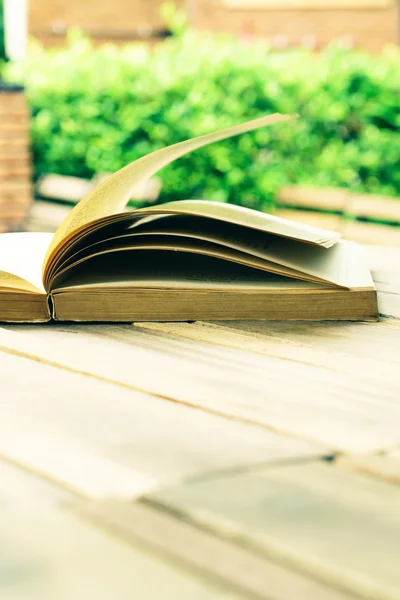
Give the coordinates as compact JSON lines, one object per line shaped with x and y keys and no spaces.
{"x":2,"y":40}
{"x":96,"y":109}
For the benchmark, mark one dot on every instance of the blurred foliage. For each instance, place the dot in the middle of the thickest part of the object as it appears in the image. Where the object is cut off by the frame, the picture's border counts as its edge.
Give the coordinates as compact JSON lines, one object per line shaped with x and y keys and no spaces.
{"x":2,"y":39}
{"x":96,"y":109}
{"x":175,"y":19}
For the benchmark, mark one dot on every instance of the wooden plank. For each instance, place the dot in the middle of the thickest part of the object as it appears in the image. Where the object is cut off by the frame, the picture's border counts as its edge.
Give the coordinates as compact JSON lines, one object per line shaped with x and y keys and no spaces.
{"x":378,"y":342}
{"x":315,"y":219}
{"x":374,"y":207}
{"x":72,"y":189}
{"x":101,"y":440}
{"x":255,"y":576}
{"x":62,"y":187}
{"x":356,"y":412}
{"x":364,"y":233}
{"x":46,"y":216}
{"x":339,"y":527}
{"x":313,"y":197}
{"x":369,"y":206}
{"x":385,"y":466}
{"x":223,"y":334}
{"x":47,"y":552}
{"x":371,"y":233}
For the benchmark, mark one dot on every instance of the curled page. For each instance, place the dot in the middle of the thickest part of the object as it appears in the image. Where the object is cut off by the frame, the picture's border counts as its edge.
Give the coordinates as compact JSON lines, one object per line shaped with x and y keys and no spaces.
{"x":111,"y":196}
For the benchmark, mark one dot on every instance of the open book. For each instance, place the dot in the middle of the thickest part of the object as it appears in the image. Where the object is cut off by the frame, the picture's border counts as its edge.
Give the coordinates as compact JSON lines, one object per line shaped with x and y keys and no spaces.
{"x":184,"y":260}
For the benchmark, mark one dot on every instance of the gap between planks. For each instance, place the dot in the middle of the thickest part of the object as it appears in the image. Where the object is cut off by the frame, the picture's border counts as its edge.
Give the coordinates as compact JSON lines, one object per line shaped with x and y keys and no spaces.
{"x":341,"y":528}
{"x":175,"y":396}
{"x":224,"y":334}
{"x":216,"y":556}
{"x":76,"y":560}
{"x":380,"y":466}
{"x":99,"y":440}
{"x":348,"y":412}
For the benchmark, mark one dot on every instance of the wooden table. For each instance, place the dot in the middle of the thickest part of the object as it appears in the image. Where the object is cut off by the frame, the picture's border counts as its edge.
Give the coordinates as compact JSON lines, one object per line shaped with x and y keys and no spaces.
{"x":203,"y":461}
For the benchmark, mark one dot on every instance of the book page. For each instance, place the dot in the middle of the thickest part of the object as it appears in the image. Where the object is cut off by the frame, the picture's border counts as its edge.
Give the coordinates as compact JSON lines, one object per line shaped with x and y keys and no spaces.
{"x":355,"y":267}
{"x":263,"y":242}
{"x":21,"y":259}
{"x":127,"y":258}
{"x":178,"y":231}
{"x":111,"y":196}
{"x":245,"y":217}
{"x":167,"y":269}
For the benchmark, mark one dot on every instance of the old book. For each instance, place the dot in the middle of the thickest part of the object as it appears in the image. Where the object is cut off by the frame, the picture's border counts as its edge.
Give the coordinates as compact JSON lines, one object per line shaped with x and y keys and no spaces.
{"x":179,"y":261}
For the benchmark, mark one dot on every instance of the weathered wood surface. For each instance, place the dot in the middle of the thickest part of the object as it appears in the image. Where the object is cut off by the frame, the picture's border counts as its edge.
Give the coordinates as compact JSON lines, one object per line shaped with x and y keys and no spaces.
{"x":229,"y":460}
{"x":47,"y":552}
{"x":332,"y":384}
{"x":341,"y":528}
{"x":102,"y":439}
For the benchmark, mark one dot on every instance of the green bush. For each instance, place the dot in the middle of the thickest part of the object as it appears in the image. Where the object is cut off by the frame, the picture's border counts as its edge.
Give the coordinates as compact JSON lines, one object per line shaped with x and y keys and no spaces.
{"x":96,"y":109}
{"x":2,"y":40}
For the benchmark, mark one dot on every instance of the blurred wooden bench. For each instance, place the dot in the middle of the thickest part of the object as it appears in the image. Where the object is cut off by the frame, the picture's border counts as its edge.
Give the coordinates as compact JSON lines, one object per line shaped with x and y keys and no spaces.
{"x":353,"y":214}
{"x":72,"y":189}
{"x":350,"y":213}
{"x":56,"y":194}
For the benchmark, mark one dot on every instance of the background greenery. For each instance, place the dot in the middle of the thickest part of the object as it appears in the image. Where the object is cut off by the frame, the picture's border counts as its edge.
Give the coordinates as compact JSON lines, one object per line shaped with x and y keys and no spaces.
{"x":96,"y":109}
{"x":2,"y":41}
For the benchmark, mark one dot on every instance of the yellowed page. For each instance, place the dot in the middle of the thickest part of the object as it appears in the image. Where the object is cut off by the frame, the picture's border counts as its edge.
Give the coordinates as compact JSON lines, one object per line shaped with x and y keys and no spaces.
{"x":287,"y":255}
{"x":21,"y":259}
{"x":123,"y":259}
{"x":112,"y":195}
{"x":239,"y":215}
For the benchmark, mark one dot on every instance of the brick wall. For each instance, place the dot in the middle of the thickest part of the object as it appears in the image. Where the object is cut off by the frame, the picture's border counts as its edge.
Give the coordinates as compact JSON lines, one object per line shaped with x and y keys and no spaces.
{"x":369,"y":28}
{"x":103,"y":19}
{"x":120,"y":19}
{"x":15,"y":167}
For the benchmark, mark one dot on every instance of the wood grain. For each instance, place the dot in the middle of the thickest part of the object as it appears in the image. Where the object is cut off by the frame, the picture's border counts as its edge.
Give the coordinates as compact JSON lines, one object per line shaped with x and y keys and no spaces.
{"x":101,"y":440}
{"x":340,"y":527}
{"x":260,"y":341}
{"x":253,"y":575}
{"x":356,"y":412}
{"x":381,"y":466}
{"x":48,"y":553}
